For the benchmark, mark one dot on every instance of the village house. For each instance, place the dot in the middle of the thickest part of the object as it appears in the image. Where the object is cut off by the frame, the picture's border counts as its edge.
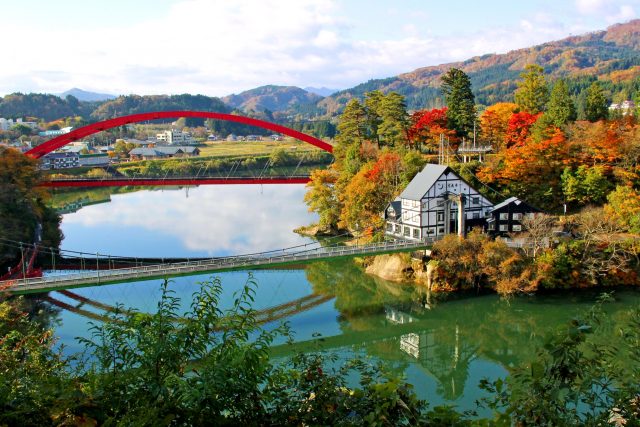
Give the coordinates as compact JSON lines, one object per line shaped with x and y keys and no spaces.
{"x":163,"y":152}
{"x":435,"y":203}
{"x":175,"y":137}
{"x":96,"y":159}
{"x":506,"y":218}
{"x":59,"y":161}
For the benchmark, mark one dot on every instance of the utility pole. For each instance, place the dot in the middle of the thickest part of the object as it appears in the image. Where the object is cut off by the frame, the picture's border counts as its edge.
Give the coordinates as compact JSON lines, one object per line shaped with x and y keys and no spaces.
{"x":24,"y":276}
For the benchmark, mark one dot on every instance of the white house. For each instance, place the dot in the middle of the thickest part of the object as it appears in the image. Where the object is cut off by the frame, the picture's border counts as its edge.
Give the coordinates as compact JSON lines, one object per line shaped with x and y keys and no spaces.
{"x":436,"y":202}
{"x":175,"y":137}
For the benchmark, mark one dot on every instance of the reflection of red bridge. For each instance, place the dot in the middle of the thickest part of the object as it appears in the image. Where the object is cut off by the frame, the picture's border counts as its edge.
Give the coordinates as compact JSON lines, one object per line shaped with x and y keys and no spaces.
{"x":93,"y":128}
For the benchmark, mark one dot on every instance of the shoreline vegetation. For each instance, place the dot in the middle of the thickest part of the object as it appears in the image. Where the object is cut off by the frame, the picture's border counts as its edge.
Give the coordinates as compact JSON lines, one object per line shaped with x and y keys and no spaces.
{"x":581,"y":167}
{"x":151,"y":369}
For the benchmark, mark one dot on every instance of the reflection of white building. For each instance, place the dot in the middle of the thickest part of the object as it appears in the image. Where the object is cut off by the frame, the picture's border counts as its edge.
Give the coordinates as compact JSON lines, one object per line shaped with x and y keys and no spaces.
{"x":175,"y":137}
{"x":397,"y":316}
{"x":418,"y":345}
{"x":436,"y":202}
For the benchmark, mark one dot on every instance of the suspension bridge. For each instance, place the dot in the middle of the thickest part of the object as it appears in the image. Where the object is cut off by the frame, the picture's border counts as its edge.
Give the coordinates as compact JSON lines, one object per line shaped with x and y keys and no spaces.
{"x":271,"y":259}
{"x":171,"y":181}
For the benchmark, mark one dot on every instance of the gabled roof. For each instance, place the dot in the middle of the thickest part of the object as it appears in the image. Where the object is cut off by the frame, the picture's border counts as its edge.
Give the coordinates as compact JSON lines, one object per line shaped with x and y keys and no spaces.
{"x":423,"y":181}
{"x":514,"y":200}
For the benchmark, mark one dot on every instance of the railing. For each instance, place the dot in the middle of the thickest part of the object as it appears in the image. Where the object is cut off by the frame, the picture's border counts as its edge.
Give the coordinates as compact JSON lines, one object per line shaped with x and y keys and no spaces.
{"x":170,"y":178}
{"x":227,"y":263}
{"x":477,"y":149}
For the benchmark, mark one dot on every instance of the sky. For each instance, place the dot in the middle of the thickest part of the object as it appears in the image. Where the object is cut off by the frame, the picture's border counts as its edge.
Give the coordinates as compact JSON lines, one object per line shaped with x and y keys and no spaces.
{"x":219,"y":47}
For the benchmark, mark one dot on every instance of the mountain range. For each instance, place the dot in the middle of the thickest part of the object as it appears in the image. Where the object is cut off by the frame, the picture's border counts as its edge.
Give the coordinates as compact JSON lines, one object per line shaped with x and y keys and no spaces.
{"x":611,"y":56}
{"x":86,"y":96}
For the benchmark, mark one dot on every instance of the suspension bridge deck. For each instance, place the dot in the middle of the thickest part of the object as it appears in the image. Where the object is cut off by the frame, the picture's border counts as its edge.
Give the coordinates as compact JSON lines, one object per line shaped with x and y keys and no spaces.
{"x":102,"y":277}
{"x":172,"y":181}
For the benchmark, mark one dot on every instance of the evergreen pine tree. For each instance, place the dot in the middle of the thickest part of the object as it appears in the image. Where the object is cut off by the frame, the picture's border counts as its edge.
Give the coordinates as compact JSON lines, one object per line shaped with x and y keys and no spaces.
{"x":394,"y":120}
{"x":461,"y":110}
{"x":560,"y":109}
{"x":596,"y":105}
{"x":532,"y":93}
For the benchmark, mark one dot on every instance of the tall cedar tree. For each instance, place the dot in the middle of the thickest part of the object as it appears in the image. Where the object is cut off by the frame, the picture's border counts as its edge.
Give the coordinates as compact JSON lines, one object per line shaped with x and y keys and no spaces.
{"x":461,"y":110}
{"x":561,"y":109}
{"x":373,"y":108}
{"x":532,"y":93}
{"x":394,"y":126}
{"x":352,"y":132}
{"x":596,"y":105}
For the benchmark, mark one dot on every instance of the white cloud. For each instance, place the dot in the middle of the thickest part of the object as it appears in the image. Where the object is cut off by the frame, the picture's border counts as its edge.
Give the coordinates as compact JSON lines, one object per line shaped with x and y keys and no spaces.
{"x":217,"y":47}
{"x":611,"y":10}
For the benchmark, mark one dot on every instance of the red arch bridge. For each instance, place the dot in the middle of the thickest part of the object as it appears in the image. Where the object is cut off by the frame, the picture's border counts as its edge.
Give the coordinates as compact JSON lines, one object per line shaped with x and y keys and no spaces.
{"x":77,"y":134}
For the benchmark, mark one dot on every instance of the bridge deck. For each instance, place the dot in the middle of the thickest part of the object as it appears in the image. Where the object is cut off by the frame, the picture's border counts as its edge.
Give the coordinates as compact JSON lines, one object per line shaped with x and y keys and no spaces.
{"x":172,"y":181}
{"x":102,"y":277}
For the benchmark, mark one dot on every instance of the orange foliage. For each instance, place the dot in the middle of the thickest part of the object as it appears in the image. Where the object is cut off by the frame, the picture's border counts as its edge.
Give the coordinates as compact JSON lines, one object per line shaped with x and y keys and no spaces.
{"x":519,"y":127}
{"x":494,"y":122}
{"x":428,"y":125}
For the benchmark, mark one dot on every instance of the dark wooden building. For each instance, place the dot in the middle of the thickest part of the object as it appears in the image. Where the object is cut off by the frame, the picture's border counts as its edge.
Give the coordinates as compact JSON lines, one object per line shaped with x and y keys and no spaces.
{"x":506,"y":217}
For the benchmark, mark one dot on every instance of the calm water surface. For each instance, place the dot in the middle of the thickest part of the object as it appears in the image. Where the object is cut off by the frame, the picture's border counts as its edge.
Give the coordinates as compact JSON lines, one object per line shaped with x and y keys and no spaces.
{"x":444,"y":350}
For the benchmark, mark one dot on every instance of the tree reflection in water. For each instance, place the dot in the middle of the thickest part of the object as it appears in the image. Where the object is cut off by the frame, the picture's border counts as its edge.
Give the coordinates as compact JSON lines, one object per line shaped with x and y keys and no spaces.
{"x":391,"y":322}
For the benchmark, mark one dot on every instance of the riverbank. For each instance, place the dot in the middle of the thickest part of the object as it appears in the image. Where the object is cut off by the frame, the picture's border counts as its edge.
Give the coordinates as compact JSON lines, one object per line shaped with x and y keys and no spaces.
{"x":481,"y":263}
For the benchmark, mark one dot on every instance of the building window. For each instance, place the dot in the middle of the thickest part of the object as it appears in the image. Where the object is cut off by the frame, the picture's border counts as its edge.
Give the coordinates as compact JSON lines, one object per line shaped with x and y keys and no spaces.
{"x":492,"y":226}
{"x":475,"y":200}
{"x":405,"y":202}
{"x":441,"y":230}
{"x":517,"y":227}
{"x":397,"y":228}
{"x":416,"y":233}
{"x":476,"y":215}
{"x":504,"y":216}
{"x":389,"y":226}
{"x":517,"y":216}
{"x":504,"y":227}
{"x":407,"y":230}
{"x":430,"y":231}
{"x":440,"y":216}
{"x":530,"y":215}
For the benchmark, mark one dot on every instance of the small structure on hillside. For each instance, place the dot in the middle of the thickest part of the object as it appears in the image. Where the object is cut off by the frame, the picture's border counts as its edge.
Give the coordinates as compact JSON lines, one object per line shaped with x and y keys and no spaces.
{"x":163,"y":152}
{"x":435,"y":203}
{"x":506,"y":217}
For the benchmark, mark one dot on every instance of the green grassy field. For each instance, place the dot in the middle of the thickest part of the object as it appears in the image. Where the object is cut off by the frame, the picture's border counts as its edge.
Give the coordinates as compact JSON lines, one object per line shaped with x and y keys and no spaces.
{"x":236,"y":148}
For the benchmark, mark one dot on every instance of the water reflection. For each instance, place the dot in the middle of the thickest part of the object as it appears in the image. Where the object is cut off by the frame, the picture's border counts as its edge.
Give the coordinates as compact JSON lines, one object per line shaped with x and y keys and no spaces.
{"x":456,"y":342}
{"x":211,"y":221}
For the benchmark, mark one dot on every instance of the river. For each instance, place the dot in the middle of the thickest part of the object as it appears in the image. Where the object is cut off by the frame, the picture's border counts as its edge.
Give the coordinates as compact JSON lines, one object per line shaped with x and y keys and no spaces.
{"x":443,"y":349}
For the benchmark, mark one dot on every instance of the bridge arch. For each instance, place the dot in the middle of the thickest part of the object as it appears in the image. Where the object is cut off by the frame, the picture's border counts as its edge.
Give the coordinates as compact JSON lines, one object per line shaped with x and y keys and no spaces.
{"x":62,"y":140}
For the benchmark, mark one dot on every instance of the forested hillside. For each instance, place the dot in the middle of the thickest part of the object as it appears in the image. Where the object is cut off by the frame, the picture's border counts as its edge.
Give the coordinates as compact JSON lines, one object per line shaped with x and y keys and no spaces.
{"x":611,"y":56}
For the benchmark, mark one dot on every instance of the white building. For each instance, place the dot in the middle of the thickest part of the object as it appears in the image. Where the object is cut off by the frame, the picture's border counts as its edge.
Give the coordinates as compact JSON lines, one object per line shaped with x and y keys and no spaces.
{"x":175,"y":137}
{"x":625,"y":107}
{"x":435,"y":203}
{"x":7,"y":124}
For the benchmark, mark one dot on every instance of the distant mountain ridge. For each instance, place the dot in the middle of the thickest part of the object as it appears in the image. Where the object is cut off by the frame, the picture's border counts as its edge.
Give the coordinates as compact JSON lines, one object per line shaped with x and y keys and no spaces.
{"x":86,"y":96}
{"x":610,"y":55}
{"x":322,"y":91}
{"x":273,"y":98}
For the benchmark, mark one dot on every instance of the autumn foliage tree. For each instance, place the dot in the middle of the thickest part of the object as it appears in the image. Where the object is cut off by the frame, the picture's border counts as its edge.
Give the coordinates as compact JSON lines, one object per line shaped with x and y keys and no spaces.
{"x":494,"y":122}
{"x":370,"y":190}
{"x":427,"y":126}
{"x":519,"y":128}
